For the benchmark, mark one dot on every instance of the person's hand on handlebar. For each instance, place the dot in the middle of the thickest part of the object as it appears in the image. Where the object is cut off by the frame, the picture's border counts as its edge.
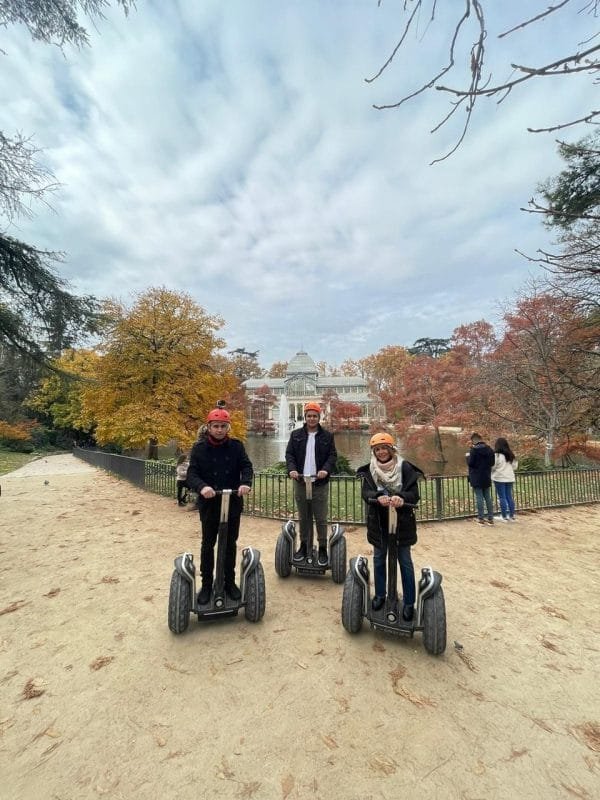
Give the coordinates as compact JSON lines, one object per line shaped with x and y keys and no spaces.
{"x":395,"y":500}
{"x":294,"y":475}
{"x":243,"y":489}
{"x":208,"y":492}
{"x":322,"y":473}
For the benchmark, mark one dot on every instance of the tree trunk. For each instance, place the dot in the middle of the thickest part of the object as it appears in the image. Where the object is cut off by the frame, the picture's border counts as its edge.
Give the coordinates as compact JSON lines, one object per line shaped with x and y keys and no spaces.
{"x":439,"y":446}
{"x":153,"y":449}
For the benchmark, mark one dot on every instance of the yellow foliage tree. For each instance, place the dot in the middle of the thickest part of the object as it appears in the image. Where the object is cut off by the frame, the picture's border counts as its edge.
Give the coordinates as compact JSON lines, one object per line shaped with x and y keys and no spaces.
{"x":60,"y":395}
{"x":157,"y":378}
{"x":385,"y":368}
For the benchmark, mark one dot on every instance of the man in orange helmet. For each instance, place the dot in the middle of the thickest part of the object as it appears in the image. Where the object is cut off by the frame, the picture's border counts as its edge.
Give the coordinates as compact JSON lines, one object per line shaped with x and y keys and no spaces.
{"x":218,"y":462}
{"x":311,"y":451}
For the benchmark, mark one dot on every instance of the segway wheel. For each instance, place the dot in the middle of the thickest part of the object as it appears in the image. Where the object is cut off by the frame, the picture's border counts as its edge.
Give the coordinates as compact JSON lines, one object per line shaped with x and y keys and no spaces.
{"x":255,"y":594}
{"x":338,"y":560}
{"x":352,"y":604}
{"x":283,"y":556}
{"x":434,"y":623}
{"x":179,"y":603}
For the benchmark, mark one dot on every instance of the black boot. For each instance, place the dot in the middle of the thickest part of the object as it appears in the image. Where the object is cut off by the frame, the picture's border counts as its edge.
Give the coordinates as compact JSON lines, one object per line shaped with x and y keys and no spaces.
{"x":300,"y":553}
{"x":377,"y":602}
{"x":232,"y":590}
{"x":205,"y":593}
{"x":322,"y":559}
{"x":408,"y":613}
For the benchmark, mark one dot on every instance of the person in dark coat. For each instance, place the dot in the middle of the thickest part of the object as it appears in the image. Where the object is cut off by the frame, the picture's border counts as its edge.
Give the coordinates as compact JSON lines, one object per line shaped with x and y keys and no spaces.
{"x":219,"y":462}
{"x":391,"y":481}
{"x":311,"y":451}
{"x":480,"y":460}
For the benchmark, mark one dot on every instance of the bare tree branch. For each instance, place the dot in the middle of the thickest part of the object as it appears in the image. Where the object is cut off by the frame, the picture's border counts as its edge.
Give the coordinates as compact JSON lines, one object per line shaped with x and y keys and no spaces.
{"x":584,"y":61}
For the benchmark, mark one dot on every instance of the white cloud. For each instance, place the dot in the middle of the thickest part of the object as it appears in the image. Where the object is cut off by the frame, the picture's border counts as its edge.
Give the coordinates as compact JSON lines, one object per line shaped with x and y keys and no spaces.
{"x":232,"y":151}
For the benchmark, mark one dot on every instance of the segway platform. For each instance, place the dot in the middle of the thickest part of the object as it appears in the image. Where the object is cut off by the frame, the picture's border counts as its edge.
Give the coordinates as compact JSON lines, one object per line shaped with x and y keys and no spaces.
{"x":309,"y":564}
{"x":183,"y":594}
{"x":429,"y":614}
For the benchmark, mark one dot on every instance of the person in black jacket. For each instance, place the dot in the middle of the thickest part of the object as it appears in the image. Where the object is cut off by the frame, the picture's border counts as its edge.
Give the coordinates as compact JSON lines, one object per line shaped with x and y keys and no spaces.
{"x":391,"y":481}
{"x":311,"y":451}
{"x":218,"y":462}
{"x":480,"y":460}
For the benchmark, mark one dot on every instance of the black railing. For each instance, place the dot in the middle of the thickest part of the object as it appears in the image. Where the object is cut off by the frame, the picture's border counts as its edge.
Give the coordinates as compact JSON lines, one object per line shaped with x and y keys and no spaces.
{"x":442,"y":496}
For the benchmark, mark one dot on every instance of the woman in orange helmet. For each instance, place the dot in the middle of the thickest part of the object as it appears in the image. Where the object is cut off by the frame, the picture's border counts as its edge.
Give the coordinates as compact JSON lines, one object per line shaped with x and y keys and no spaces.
{"x":391,"y":481}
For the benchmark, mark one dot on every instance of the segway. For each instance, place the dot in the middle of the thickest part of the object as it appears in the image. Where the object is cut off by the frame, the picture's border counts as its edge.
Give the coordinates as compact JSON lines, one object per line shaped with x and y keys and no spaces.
{"x":429,"y":614}
{"x":183,"y":599}
{"x":309,"y":564}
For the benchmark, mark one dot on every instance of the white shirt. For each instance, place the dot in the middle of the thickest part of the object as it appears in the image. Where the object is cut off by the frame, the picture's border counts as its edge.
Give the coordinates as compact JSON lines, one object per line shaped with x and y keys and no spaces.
{"x":310,"y":462}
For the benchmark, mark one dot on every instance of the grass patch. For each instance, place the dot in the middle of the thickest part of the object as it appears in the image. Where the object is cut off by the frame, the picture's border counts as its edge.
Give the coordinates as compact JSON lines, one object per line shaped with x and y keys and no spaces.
{"x":9,"y":460}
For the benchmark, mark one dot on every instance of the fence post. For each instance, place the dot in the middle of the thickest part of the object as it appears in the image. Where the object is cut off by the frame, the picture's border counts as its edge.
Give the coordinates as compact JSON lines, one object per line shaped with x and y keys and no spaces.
{"x":439,"y":497}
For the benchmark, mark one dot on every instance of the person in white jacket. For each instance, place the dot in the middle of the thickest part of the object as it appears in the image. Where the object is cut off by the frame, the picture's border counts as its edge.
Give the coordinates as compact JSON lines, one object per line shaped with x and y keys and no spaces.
{"x":503,"y":476}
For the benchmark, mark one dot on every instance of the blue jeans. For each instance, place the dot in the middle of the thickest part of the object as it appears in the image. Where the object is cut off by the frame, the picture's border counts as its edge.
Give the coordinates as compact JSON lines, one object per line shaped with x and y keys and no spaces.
{"x":407,"y":572}
{"x":480,"y":496}
{"x":505,"y":498}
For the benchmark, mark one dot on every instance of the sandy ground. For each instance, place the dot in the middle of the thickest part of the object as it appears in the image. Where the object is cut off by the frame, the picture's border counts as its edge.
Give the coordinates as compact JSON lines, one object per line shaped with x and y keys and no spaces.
{"x":99,"y":700}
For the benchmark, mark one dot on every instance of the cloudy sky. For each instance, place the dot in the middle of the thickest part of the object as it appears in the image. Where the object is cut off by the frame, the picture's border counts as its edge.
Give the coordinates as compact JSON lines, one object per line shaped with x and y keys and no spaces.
{"x":231,"y":150}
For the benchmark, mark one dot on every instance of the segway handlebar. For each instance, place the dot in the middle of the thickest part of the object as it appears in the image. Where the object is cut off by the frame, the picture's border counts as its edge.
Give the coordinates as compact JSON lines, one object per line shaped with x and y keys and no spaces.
{"x":373,"y":500}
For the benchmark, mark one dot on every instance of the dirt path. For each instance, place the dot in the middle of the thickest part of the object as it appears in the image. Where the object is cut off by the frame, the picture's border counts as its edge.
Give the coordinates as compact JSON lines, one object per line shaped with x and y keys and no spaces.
{"x":99,"y":700}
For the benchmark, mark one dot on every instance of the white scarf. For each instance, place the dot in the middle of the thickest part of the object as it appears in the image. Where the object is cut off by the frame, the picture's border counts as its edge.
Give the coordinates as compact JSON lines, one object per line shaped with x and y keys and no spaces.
{"x":387,"y":475}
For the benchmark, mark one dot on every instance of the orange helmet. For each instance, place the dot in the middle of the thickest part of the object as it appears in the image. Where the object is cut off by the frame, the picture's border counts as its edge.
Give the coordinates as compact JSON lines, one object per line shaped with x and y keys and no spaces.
{"x":384,"y":439}
{"x":218,"y":415}
{"x":312,"y":406}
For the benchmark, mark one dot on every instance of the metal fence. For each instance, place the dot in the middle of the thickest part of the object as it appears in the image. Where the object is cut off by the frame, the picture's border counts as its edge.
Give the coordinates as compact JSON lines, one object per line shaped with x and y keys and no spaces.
{"x":442,"y":496}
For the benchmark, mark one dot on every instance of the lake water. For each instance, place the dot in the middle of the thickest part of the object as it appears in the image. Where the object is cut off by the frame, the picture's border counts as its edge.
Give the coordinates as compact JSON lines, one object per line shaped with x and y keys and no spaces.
{"x":264,"y":451}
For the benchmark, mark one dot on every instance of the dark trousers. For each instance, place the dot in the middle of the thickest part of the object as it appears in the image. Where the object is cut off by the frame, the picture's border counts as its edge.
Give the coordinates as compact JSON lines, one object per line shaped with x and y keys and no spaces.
{"x":210,"y":531}
{"x":407,"y":573}
{"x":320,"y":501}
{"x":181,"y":486}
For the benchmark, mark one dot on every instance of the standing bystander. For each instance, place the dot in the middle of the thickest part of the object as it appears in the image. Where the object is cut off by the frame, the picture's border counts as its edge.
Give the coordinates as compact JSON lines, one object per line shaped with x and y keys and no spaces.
{"x":480,"y":460}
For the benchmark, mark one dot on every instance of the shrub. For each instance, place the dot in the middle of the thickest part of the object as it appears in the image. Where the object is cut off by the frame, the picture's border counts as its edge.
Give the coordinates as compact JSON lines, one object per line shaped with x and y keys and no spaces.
{"x":342,"y":466}
{"x":531,"y":464}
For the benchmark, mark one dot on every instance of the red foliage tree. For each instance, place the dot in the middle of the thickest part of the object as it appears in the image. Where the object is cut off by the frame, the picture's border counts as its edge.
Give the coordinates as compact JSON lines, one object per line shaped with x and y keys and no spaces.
{"x":260,"y":408}
{"x":434,"y":394}
{"x":343,"y":416}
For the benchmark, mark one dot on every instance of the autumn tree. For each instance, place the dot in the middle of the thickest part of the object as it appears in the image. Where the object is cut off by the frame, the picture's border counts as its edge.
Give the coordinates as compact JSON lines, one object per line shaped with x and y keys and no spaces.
{"x":469,"y":40}
{"x":384,"y":372}
{"x":351,"y":368}
{"x":261,"y":410}
{"x":477,"y":340}
{"x":434,"y":394}
{"x":546,"y":371}
{"x":278,"y":369}
{"x":59,"y":398}
{"x":156,"y":380}
{"x":343,"y":415}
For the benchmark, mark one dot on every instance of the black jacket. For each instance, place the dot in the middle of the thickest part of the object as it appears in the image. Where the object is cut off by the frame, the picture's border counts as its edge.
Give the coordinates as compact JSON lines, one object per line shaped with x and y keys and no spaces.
{"x":224,"y":466}
{"x":325,"y":452}
{"x":480,"y":461}
{"x":377,"y":515}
